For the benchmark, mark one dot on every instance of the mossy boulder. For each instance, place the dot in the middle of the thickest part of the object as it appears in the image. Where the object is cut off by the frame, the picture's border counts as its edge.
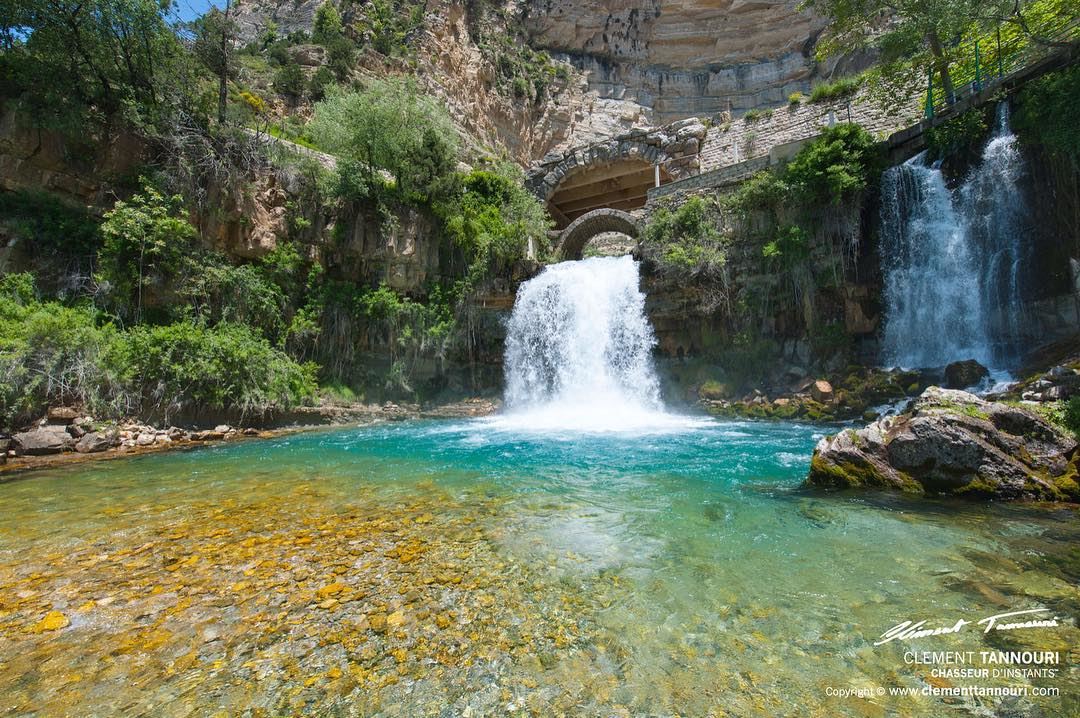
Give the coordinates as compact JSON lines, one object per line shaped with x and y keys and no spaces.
{"x":953,"y":443}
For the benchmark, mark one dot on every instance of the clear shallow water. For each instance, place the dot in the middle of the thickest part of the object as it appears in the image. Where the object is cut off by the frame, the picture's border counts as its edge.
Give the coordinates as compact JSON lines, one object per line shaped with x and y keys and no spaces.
{"x":483,"y":568}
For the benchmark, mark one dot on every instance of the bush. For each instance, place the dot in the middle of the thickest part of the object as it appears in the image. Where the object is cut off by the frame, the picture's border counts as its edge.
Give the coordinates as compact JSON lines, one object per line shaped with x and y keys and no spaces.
{"x":51,"y":354}
{"x":192,"y":370}
{"x":836,"y":166}
{"x":686,"y":241}
{"x":147,"y":243}
{"x":1049,"y":112}
{"x":836,"y":89}
{"x":493,"y":220}
{"x":390,"y":126}
{"x":1071,"y":415}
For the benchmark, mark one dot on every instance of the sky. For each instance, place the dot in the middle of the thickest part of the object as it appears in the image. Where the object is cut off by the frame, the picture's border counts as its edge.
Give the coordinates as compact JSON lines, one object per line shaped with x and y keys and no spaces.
{"x":190,"y":9}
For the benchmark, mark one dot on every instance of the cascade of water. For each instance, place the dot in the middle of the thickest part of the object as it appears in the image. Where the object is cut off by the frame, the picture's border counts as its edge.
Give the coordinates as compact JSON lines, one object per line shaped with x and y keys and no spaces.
{"x":953,"y":260}
{"x":578,"y":348}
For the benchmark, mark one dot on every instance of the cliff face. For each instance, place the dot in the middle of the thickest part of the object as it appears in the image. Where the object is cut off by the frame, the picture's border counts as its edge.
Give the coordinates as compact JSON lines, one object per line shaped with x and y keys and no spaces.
{"x":448,"y":61}
{"x":683,"y":57}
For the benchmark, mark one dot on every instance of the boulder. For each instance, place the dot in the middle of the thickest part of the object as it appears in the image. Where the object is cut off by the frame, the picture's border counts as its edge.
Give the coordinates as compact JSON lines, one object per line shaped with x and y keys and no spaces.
{"x":962,"y":374}
{"x":62,"y":414}
{"x":822,"y":391}
{"x":43,"y":441}
{"x":97,"y":441}
{"x":207,"y":435}
{"x":951,"y":442}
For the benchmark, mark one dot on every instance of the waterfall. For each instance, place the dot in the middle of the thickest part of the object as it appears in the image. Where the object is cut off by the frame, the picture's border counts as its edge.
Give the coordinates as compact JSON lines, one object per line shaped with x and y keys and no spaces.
{"x":953,"y":259}
{"x":579,"y":349}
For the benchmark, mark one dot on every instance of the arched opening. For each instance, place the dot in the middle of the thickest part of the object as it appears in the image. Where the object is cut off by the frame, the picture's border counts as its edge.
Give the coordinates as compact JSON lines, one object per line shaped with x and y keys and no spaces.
{"x":622,"y":184}
{"x":598,"y":222}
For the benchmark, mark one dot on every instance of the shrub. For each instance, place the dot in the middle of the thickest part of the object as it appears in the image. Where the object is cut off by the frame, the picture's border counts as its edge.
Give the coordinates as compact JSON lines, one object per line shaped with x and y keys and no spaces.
{"x":147,"y":242}
{"x":190,"y":369}
{"x":687,"y":241}
{"x":390,"y":126}
{"x":795,"y":99}
{"x":50,"y":354}
{"x":836,"y":166}
{"x":1071,"y":415}
{"x":836,"y":89}
{"x":1049,"y":112}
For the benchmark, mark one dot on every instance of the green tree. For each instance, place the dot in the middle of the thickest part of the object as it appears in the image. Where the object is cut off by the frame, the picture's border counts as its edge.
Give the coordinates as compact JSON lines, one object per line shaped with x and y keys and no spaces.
{"x":73,"y":60}
{"x":289,"y":81}
{"x":390,"y":126}
{"x":147,"y":242}
{"x":212,"y":45}
{"x":924,"y":32}
{"x":326,"y":26}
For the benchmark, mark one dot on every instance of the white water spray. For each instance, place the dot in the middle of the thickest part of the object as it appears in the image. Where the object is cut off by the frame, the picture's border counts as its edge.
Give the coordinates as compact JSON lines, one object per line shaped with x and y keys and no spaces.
{"x":952,"y":260}
{"x":579,"y":351}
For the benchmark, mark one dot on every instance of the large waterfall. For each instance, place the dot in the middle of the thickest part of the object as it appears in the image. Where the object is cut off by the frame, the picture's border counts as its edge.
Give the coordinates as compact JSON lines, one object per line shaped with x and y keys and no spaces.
{"x":579,"y":350}
{"x":952,"y":259}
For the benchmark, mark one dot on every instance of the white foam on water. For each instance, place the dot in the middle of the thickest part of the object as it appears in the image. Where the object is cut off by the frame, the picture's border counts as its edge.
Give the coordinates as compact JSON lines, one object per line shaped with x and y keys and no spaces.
{"x":579,"y":354}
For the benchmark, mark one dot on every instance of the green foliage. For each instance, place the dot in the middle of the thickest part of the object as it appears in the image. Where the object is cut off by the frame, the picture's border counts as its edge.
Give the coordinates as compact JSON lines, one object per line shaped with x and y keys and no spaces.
{"x":187,"y":368}
{"x":76,"y":62}
{"x":326,"y":26}
{"x":1049,"y":113}
{"x":841,"y":87}
{"x":391,"y":22}
{"x":789,"y":247}
{"x":61,"y":239}
{"x":959,"y":134}
{"x":687,"y":242}
{"x":320,"y":82}
{"x":289,"y":81}
{"x":390,"y":126}
{"x":494,"y":219}
{"x":754,"y":115}
{"x":836,"y":166}
{"x":147,"y":241}
{"x":50,"y":353}
{"x":1070,"y":415}
{"x":795,"y":99}
{"x":763,"y":192}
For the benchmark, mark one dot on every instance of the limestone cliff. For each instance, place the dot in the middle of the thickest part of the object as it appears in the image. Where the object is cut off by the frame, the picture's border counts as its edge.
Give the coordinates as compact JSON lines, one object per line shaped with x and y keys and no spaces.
{"x":681,"y":58}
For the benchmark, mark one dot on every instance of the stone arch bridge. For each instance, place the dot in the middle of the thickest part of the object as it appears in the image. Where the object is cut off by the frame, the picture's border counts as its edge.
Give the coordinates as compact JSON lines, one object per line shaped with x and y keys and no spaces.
{"x":595,"y":188}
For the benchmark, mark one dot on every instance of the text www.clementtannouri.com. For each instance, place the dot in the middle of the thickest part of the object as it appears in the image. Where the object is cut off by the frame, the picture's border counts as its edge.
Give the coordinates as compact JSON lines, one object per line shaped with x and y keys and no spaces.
{"x":944,"y":692}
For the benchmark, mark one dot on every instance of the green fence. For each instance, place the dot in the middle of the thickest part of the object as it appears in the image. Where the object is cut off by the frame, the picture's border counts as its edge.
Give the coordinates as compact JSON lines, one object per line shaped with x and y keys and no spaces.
{"x":982,"y":62}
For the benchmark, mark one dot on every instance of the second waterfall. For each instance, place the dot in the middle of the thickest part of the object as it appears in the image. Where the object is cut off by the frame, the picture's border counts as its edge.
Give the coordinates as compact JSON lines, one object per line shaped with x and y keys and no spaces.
{"x":953,"y":259}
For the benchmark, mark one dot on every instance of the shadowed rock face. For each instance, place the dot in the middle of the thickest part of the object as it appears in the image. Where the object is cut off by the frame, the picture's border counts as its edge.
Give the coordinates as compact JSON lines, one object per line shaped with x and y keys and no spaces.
{"x":953,"y":443}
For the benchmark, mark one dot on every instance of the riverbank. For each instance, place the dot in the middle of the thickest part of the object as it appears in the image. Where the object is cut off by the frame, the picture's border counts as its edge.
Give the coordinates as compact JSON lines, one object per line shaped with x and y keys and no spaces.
{"x":85,"y":440}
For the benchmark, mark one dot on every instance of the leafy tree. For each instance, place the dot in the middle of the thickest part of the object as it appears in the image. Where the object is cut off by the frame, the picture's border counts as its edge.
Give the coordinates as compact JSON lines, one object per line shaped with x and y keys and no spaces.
{"x":390,"y":126}
{"x":147,"y":242}
{"x":72,"y":60}
{"x":320,"y":82}
{"x":924,"y":32}
{"x":493,"y":221}
{"x":836,"y":166}
{"x":326,"y":26}
{"x":212,"y":45}
{"x":289,"y":81}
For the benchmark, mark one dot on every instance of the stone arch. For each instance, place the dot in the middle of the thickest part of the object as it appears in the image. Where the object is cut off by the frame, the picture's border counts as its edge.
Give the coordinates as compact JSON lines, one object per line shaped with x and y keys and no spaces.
{"x":574,"y":238}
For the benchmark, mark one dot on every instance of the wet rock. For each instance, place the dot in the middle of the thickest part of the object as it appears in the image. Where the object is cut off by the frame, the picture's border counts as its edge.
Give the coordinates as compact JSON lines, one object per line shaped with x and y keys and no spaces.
{"x":822,"y":391}
{"x":43,"y":441}
{"x":96,"y":441}
{"x":951,"y":442}
{"x":962,"y":374}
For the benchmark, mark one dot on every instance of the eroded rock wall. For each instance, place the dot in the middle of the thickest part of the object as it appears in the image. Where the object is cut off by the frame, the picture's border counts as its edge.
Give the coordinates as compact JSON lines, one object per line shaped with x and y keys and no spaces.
{"x":683,"y":57}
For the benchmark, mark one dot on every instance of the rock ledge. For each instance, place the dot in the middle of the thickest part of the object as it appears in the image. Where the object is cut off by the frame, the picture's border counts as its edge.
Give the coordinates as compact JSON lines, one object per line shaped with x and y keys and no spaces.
{"x":953,"y":443}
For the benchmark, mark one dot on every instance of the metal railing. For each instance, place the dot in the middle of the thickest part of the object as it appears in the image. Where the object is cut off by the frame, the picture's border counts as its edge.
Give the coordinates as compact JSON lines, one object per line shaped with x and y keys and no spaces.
{"x":987,"y":60}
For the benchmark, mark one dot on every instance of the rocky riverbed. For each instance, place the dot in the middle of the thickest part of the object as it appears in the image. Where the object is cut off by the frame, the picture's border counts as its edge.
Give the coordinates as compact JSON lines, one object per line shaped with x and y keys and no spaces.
{"x":67,"y":434}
